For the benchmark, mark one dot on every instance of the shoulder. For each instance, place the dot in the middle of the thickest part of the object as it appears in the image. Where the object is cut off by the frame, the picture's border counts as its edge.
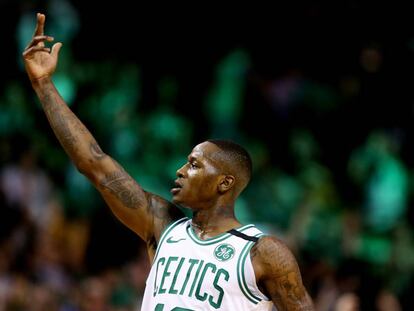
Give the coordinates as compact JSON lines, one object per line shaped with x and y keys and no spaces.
{"x":272,"y":258}
{"x":164,"y":213}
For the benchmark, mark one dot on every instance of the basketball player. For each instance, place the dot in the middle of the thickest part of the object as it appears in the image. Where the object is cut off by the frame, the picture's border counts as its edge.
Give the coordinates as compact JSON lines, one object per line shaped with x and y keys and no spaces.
{"x":209,"y":262}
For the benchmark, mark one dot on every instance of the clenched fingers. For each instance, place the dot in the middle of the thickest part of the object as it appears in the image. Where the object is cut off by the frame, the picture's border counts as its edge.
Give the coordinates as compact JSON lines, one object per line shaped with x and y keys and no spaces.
{"x":34,"y":49}
{"x":38,"y":41}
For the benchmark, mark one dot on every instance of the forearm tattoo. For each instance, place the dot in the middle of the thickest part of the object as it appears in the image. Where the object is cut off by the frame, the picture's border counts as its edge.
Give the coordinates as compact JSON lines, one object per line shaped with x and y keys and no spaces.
{"x":58,"y":122}
{"x":64,"y":123}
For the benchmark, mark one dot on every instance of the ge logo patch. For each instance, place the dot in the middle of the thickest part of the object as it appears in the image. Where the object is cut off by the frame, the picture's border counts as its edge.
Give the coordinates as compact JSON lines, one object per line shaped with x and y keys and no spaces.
{"x":224,"y":252}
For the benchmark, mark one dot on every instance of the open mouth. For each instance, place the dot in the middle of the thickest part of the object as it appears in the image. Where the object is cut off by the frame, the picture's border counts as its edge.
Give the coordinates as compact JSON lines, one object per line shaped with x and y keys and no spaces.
{"x":177,"y":187}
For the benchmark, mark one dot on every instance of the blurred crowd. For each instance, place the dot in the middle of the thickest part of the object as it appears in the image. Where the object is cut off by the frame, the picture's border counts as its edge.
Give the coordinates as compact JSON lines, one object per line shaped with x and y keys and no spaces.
{"x":331,"y":139}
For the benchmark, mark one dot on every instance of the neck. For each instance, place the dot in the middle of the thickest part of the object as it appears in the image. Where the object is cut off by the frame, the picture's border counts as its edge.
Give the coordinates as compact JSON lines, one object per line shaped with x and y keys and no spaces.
{"x":214,"y":221}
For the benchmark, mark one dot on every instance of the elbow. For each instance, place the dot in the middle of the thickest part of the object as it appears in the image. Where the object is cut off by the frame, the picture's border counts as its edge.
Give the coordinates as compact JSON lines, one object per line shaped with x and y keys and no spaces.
{"x":91,"y":169}
{"x":85,"y":167}
{"x":81,"y":169}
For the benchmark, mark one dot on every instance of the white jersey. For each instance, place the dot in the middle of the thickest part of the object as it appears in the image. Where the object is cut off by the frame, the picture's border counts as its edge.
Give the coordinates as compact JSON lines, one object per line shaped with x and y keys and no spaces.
{"x":214,"y":274}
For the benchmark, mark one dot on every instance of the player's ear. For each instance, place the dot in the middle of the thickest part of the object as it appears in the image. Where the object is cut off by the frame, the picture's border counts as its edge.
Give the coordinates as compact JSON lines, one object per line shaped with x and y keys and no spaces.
{"x":226,"y":183}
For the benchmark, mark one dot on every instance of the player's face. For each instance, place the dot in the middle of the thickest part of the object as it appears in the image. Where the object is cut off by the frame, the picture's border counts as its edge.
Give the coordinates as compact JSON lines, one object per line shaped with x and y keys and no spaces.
{"x":197,"y":184}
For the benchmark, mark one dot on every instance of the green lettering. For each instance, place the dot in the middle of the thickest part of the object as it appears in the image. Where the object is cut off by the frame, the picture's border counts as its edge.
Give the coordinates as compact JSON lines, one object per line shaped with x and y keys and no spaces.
{"x":156,"y":273}
{"x":160,"y":307}
{"x":217,"y":304}
{"x":177,"y":271}
{"x":166,"y":274}
{"x":192,"y":263}
{"x":200,"y":282}
{"x":195,"y":278}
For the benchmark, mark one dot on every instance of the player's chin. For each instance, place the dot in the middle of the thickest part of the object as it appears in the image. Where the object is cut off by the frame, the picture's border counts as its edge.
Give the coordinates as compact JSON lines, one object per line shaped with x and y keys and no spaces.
{"x":177,"y":199}
{"x":181,"y":197}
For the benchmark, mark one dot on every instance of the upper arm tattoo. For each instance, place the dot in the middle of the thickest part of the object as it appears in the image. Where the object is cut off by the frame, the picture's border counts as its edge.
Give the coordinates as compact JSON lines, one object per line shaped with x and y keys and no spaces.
{"x":125,"y":188}
{"x":291,"y":292}
{"x":281,"y":276}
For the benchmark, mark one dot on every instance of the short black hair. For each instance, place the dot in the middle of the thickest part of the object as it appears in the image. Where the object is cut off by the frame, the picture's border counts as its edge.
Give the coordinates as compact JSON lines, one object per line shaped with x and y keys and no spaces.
{"x":235,"y":154}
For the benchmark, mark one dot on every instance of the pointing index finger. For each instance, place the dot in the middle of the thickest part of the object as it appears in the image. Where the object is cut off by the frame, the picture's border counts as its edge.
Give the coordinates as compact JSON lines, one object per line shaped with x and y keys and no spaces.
{"x":40,"y":25}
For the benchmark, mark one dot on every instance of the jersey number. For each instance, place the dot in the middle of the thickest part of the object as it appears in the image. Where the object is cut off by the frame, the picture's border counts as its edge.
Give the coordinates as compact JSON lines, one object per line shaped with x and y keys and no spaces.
{"x":160,"y":307}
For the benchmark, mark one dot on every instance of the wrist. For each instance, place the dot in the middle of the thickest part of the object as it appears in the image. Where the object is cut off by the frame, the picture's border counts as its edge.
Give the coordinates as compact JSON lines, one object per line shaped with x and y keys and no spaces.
{"x":40,"y":82}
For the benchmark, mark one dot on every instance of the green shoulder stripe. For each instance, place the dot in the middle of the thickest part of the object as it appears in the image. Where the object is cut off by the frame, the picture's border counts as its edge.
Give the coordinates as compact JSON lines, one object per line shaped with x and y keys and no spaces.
{"x":240,"y":272}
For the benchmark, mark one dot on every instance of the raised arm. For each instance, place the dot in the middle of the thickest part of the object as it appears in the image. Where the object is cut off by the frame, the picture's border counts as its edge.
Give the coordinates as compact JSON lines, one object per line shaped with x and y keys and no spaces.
{"x":143,"y":212}
{"x":278,"y":275}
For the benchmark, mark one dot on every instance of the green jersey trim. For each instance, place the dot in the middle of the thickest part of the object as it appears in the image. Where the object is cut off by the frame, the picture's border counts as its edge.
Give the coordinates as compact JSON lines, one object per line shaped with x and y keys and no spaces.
{"x":240,"y":272}
{"x":216,"y":239}
{"x":166,"y":231}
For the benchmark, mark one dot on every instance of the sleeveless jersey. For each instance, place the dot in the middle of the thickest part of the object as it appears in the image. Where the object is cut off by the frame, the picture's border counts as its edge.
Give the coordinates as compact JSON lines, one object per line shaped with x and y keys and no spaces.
{"x":214,"y":274}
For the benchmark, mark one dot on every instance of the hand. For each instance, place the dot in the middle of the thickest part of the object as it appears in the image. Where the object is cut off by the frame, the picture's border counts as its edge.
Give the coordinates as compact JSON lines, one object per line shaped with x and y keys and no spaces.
{"x":40,"y":61}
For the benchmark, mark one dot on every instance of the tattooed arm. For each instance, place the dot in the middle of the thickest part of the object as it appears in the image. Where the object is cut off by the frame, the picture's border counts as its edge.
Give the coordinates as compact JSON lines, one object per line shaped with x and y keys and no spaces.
{"x":278,"y":275}
{"x":144,"y":213}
